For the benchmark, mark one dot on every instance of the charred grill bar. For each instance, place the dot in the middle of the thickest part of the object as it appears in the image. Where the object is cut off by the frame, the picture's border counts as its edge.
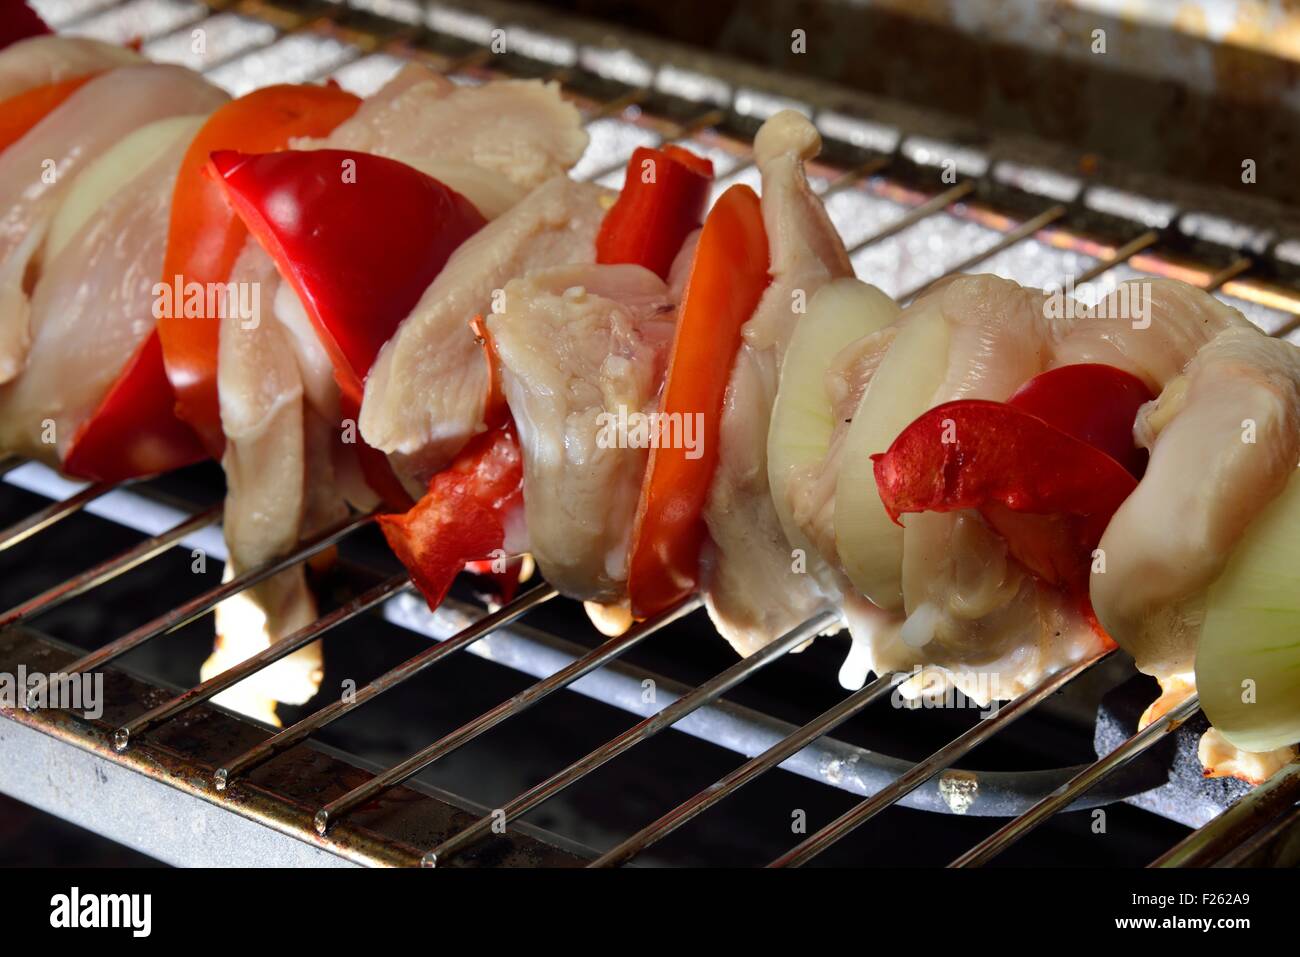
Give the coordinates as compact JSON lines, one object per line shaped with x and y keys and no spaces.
{"x":454,"y":40}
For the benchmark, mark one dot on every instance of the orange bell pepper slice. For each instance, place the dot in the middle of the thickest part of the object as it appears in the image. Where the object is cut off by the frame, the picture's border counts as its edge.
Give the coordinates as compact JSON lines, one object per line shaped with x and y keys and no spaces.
{"x":728,"y":276}
{"x":20,"y":113}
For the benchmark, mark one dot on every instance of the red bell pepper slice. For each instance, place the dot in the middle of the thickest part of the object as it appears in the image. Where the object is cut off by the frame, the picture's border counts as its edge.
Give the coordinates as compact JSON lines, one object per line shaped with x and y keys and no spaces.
{"x":1093,"y":402}
{"x":205,"y":236}
{"x":1048,"y":493}
{"x":18,"y":21}
{"x":651,"y":219}
{"x":134,"y":432}
{"x":728,"y":277}
{"x":21,"y":112}
{"x":461,"y":518}
{"x":360,"y":237}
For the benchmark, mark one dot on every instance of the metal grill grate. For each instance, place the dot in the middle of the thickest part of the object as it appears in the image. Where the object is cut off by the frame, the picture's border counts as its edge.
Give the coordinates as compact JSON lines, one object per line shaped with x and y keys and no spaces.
{"x":1033,"y":224}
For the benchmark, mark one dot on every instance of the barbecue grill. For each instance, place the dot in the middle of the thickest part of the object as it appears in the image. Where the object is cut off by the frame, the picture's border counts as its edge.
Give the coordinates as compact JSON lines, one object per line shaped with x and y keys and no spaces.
{"x":916,"y":199}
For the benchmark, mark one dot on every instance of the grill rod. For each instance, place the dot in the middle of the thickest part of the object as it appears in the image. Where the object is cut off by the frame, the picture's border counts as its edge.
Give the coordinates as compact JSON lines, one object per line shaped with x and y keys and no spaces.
{"x":1026,"y":229}
{"x":1222,"y":836}
{"x":189,"y":610}
{"x":1121,"y":255}
{"x":390,"y":679}
{"x":109,"y":569}
{"x":467,"y":732}
{"x":1135,"y":746}
{"x":54,"y":512}
{"x":688,"y":810}
{"x":848,"y":822}
{"x":267,"y":656}
{"x":934,"y":204}
{"x":714,"y":688}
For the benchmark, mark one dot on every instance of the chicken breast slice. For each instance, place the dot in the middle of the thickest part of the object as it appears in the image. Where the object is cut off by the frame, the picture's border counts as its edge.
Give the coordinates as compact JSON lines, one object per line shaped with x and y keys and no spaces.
{"x":755,"y":589}
{"x":37,"y":61}
{"x":1150,"y":328}
{"x":523,"y":131}
{"x":583,"y":348}
{"x":1203,"y":486}
{"x":35,"y":172}
{"x":90,"y":310}
{"x":263,"y":416}
{"x":425,"y":394}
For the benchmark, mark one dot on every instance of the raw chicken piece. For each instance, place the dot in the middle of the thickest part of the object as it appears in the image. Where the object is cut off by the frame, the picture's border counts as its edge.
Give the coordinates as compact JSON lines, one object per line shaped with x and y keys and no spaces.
{"x":577,"y":345}
{"x":1177,"y":320}
{"x":426,"y":391}
{"x":522,"y":131}
{"x":1204,"y":485}
{"x":37,"y":61}
{"x":90,"y":310}
{"x":262,"y":414}
{"x":975,"y":619}
{"x":36,"y":171}
{"x":754,"y":588}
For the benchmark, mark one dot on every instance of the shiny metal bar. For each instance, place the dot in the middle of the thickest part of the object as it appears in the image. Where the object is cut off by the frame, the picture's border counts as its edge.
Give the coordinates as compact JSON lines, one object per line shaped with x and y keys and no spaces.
{"x":390,"y":679}
{"x":281,"y":649}
{"x":1139,"y":743}
{"x":913,"y":216}
{"x":54,"y":512}
{"x":688,"y":810}
{"x":1271,"y":835}
{"x":960,"y":746}
{"x":854,"y":176}
{"x":1228,"y":273}
{"x":1121,"y":255}
{"x":195,"y":607}
{"x":714,"y":688}
{"x":1209,"y":845}
{"x":1021,"y":232}
{"x":108,"y":569}
{"x":467,"y":732}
